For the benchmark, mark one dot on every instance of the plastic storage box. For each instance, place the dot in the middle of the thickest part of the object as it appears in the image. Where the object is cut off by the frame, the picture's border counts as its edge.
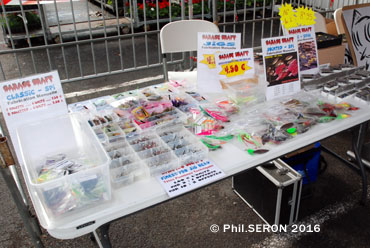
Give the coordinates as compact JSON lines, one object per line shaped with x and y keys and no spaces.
{"x":65,"y":165}
{"x":244,"y":91}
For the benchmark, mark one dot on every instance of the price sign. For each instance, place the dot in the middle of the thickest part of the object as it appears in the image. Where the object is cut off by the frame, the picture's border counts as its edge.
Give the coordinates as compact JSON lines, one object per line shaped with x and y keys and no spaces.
{"x":292,"y":18}
{"x":30,"y":99}
{"x":209,"y":45}
{"x":239,"y":63}
{"x":235,"y":68}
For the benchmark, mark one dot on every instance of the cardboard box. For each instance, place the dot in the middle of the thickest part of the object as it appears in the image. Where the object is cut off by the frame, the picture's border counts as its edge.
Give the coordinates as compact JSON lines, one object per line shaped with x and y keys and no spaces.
{"x":331,"y":27}
{"x":333,"y":55}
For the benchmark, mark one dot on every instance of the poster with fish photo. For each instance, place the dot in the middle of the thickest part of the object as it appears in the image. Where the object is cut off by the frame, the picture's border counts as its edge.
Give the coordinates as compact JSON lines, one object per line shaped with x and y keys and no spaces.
{"x":281,"y":66}
{"x":307,"y":49}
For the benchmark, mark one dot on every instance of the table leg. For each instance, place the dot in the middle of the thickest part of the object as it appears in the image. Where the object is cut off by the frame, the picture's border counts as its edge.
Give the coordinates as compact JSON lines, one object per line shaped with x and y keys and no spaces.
{"x":104,"y":231}
{"x":357,"y":143}
{"x":104,"y":242}
{"x":358,"y":136}
{"x":97,"y":239}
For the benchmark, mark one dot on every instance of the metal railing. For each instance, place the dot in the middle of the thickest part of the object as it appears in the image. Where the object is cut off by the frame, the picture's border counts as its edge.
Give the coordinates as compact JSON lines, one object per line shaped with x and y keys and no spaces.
{"x":86,"y":40}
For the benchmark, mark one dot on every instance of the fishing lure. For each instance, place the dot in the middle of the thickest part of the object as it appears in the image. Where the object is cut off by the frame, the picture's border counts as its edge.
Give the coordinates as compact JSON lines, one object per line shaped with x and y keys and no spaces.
{"x":258,"y":151}
{"x":209,"y":145}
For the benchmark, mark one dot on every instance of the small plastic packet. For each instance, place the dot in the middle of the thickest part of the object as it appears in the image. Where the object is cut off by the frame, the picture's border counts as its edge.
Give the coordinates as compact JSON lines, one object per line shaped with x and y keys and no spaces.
{"x":158,"y":107}
{"x":140,"y":113}
{"x":214,"y":112}
{"x":227,"y":105}
{"x":102,"y":103}
{"x":214,"y":142}
{"x":83,"y":107}
{"x":88,"y":189}
{"x":182,"y":102}
{"x":60,"y":199}
{"x":201,"y":124}
{"x":128,"y":103}
{"x":56,"y":166}
{"x":197,"y":96}
{"x":150,"y":94}
{"x":181,"y":85}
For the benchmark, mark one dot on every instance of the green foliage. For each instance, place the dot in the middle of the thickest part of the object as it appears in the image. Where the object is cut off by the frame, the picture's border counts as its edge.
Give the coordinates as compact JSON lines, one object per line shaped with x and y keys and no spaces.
{"x":16,"y":23}
{"x":149,"y":7}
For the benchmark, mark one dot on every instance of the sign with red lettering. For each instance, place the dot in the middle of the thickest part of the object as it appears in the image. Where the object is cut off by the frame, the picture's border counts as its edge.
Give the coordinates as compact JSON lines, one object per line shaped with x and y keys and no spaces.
{"x":209,"y":44}
{"x":281,"y":65}
{"x":307,"y":49}
{"x":235,"y":65}
{"x":31,"y":99}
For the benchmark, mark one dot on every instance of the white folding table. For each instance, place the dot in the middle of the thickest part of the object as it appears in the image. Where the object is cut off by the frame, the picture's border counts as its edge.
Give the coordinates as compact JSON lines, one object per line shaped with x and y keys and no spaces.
{"x":144,"y":194}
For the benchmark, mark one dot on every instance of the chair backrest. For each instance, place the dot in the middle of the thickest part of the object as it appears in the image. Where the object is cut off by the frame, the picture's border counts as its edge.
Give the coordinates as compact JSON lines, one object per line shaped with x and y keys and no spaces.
{"x":181,"y":36}
{"x":320,"y":25}
{"x":338,"y":21}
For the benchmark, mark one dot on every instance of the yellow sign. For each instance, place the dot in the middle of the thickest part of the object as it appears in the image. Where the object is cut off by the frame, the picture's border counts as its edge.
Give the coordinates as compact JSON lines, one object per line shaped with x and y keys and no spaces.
{"x":305,"y":16}
{"x":209,"y":59}
{"x":235,"y":68}
{"x":291,"y":18}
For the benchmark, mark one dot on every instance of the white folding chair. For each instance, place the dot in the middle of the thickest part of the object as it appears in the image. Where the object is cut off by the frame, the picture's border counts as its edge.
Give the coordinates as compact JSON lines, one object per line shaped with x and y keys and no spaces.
{"x":182,"y":36}
{"x":320,"y":25}
{"x":338,"y":21}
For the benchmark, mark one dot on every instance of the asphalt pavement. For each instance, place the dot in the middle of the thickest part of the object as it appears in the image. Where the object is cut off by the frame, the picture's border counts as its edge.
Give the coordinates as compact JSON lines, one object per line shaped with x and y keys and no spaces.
{"x":185,"y":221}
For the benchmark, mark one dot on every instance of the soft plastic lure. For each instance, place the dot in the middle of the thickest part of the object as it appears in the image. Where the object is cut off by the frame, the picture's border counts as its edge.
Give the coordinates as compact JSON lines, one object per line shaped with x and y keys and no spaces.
{"x":218,"y":116}
{"x":343,"y":116}
{"x":214,"y":114}
{"x":206,"y":133}
{"x":224,"y":138}
{"x":210,"y":146}
{"x":246,"y":139}
{"x":258,"y":151}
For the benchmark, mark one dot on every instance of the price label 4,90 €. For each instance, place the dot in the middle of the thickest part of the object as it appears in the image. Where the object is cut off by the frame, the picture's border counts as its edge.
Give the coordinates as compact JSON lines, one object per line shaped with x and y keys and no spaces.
{"x":235,"y":68}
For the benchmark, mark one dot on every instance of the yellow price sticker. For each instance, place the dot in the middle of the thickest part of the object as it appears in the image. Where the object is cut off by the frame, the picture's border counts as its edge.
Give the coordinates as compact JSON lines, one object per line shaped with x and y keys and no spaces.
{"x":235,"y":68}
{"x":292,"y":18}
{"x":209,"y":59}
{"x":305,"y":16}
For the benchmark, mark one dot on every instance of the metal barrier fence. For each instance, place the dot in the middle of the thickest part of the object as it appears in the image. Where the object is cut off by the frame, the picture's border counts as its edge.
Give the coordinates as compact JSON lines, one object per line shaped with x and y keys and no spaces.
{"x":95,"y":38}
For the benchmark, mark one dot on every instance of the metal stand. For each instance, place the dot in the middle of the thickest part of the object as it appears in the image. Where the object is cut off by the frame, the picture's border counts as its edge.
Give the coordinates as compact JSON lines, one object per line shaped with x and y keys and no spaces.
{"x":104,"y":242}
{"x":358,"y":136}
{"x":357,"y":142}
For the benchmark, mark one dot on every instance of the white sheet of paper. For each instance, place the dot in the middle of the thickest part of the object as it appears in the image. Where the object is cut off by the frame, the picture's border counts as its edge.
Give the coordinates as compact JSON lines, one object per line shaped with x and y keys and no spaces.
{"x":189,"y":177}
{"x":307,"y":49}
{"x":29,"y":99}
{"x":281,"y":66}
{"x":357,"y":22}
{"x":208,"y":45}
